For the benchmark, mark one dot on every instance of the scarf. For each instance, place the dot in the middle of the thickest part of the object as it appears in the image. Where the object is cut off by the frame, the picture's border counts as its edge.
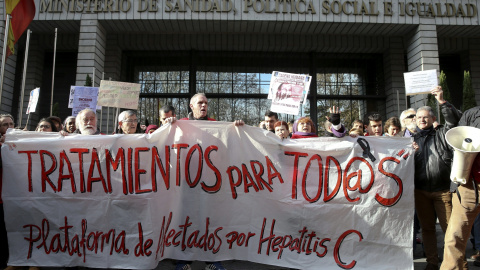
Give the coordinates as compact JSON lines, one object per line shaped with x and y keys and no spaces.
{"x":424,"y":132}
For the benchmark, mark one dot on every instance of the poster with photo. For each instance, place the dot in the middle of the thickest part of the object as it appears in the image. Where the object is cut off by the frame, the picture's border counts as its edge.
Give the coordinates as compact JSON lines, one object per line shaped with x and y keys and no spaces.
{"x":288,"y":91}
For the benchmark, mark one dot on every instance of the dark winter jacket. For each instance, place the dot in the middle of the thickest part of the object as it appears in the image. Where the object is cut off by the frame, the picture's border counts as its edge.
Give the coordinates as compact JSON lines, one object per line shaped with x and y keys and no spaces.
{"x":434,"y":157}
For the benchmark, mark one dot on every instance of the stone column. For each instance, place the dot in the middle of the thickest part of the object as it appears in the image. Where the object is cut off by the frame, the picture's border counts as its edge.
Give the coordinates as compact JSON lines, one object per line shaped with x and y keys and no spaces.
{"x":422,"y":54}
{"x":113,"y":70}
{"x":91,"y":51}
{"x":474,"y":55}
{"x":394,"y":68}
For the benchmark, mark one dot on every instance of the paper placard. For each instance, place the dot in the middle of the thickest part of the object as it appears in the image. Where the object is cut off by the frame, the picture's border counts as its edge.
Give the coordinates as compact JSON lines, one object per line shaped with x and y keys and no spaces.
{"x":84,"y":97}
{"x":118,"y":94}
{"x":420,"y":82}
{"x":32,"y":102}
{"x":288,"y":91}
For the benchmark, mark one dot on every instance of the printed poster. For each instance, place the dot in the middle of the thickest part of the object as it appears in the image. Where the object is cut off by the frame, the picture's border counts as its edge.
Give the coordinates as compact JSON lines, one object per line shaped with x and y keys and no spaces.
{"x":288,"y":91}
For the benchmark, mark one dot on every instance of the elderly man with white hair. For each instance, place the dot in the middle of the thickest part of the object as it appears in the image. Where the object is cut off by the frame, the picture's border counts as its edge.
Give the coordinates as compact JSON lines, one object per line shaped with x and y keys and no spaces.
{"x":407,"y":119}
{"x":86,"y":122}
{"x":127,"y":122}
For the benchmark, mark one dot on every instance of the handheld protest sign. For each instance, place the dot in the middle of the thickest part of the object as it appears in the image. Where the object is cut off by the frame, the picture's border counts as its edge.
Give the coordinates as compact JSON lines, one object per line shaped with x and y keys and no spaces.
{"x":118,"y":94}
{"x":70,"y":97}
{"x":32,"y":102}
{"x":288,"y":91}
{"x":420,"y":82}
{"x":84,"y":97}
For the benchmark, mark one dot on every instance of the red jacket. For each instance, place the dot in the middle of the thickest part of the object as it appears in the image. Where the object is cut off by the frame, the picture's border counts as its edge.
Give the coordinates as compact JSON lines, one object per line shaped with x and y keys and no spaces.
{"x":297,"y":136}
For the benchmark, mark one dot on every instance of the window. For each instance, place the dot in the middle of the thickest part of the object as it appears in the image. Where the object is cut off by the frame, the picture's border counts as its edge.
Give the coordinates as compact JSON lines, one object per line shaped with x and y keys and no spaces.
{"x":237,"y":84}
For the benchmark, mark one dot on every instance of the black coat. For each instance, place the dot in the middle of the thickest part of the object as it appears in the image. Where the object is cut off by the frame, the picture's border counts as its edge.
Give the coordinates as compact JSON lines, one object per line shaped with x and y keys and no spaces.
{"x":471,"y":118}
{"x":434,"y":157}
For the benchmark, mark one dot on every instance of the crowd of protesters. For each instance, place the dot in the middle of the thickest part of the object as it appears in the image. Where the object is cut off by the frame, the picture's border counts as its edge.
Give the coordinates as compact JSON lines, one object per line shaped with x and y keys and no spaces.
{"x":433,"y":158}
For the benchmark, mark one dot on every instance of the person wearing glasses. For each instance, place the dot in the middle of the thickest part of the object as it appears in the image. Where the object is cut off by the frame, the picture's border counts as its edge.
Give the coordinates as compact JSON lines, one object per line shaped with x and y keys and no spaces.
{"x":127,"y":122}
{"x":407,"y":119}
{"x":409,"y":128}
{"x":433,"y":161}
{"x":46,"y":125}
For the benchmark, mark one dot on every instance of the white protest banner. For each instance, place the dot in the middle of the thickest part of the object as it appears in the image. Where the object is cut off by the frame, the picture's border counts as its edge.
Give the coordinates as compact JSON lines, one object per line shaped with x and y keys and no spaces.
{"x":118,"y":94}
{"x":32,"y":102}
{"x":84,"y":97}
{"x":204,"y":190}
{"x":288,"y":91}
{"x":420,"y":82}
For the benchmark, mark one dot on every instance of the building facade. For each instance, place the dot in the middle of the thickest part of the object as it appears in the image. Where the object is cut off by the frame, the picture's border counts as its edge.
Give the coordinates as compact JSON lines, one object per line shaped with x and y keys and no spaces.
{"x":356,"y":51}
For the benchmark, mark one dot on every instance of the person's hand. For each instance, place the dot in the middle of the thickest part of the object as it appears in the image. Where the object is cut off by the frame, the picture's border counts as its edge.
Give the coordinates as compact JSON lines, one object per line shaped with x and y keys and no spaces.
{"x":170,"y":120}
{"x":238,"y":123}
{"x":438,"y":93}
{"x":334,"y":117}
{"x":63,"y":133}
{"x":415,"y":146}
{"x":353,"y":135}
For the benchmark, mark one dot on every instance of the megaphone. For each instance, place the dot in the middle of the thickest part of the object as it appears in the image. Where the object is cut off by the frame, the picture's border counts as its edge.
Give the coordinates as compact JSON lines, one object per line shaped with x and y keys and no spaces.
{"x":466,"y":143}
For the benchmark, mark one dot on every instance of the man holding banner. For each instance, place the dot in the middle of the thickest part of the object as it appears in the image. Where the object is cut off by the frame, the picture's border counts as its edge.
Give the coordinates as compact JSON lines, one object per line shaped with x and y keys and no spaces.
{"x":207,"y":191}
{"x":127,"y":122}
{"x":86,"y":123}
{"x":199,"y":106}
{"x":433,"y":158}
{"x":167,"y":114}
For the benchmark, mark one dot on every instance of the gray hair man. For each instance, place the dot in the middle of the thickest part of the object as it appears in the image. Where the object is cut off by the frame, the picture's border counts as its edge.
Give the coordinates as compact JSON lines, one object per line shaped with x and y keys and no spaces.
{"x":199,"y":106}
{"x":407,"y":120}
{"x":433,"y":159}
{"x":127,"y":122}
{"x":86,"y":122}
{"x":6,"y":122}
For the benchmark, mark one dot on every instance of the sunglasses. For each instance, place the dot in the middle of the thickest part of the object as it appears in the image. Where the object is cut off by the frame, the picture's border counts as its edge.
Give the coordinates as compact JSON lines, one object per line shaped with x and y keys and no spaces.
{"x":411,"y":116}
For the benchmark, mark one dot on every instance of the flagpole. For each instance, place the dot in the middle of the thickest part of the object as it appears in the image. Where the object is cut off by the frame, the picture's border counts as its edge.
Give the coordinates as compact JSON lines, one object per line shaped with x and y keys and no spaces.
{"x":4,"y":55}
{"x":108,"y":111}
{"x":24,"y":76}
{"x":53,"y":73}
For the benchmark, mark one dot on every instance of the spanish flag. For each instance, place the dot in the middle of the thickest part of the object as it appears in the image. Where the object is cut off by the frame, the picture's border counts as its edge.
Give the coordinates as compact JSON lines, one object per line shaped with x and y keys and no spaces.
{"x":22,"y":12}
